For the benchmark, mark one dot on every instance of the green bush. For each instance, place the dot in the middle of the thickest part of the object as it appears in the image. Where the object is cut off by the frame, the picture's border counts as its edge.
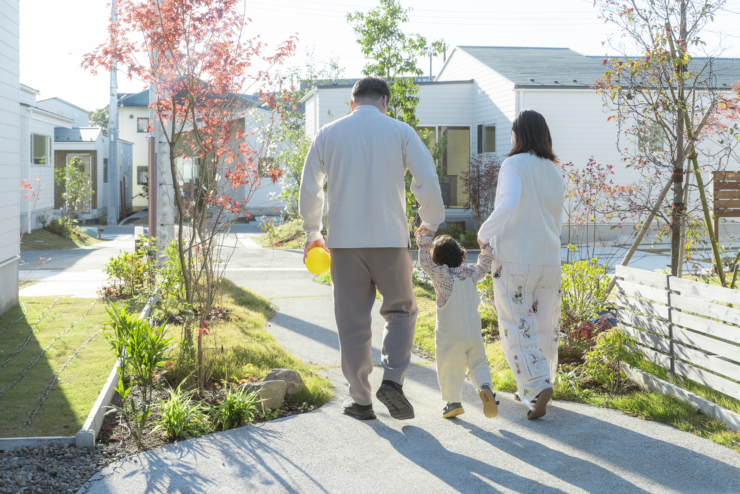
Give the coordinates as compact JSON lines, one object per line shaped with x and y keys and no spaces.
{"x":238,"y":408}
{"x":64,"y":228}
{"x":583,"y":293}
{"x":181,"y":417}
{"x":142,"y":351}
{"x":604,"y":360}
{"x":469,"y":239}
{"x":453,"y":232}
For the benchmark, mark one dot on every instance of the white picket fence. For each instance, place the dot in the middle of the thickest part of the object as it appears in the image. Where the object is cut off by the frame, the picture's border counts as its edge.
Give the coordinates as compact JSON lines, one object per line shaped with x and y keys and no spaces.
{"x":690,"y":328}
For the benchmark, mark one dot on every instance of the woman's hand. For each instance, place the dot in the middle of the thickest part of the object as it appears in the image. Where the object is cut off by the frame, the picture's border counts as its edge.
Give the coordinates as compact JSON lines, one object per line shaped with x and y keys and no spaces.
{"x":481,"y":244}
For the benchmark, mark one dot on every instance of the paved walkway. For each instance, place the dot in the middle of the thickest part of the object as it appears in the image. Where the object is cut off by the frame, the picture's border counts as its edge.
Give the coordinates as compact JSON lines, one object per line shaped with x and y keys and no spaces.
{"x":574,"y":449}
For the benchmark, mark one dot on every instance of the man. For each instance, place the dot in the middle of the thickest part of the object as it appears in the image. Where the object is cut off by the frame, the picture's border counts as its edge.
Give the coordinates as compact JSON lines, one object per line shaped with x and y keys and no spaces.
{"x":365,"y":156}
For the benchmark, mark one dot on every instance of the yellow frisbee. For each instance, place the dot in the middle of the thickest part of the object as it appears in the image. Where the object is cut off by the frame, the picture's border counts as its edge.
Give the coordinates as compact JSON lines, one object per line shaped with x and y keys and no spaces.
{"x":318,"y":261}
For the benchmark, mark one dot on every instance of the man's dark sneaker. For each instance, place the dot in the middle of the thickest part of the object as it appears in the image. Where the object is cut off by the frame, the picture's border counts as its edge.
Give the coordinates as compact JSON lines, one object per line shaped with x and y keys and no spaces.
{"x":362,"y":412}
{"x":452,"y":410}
{"x":488,"y":397}
{"x":391,"y":395}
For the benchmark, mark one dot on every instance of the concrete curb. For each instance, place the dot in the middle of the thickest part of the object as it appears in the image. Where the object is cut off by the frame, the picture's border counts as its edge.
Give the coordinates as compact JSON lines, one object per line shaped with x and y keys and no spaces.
{"x":10,"y":443}
{"x":657,"y":385}
{"x":85,"y":438}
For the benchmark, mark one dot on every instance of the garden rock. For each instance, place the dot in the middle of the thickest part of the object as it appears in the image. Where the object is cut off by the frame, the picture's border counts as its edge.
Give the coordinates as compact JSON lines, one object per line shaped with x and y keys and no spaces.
{"x":292,"y":378}
{"x":272,"y":393}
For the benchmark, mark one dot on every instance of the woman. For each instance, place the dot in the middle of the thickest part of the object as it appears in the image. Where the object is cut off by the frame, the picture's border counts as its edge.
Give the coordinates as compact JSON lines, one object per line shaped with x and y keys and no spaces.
{"x":524,"y":230}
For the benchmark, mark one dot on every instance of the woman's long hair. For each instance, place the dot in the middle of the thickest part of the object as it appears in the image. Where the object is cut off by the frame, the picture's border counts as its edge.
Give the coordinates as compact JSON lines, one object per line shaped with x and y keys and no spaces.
{"x":532,"y":135}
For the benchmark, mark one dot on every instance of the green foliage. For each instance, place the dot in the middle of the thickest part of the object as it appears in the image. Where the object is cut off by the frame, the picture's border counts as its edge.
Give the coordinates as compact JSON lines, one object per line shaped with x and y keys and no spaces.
{"x":127,"y":272}
{"x":65,"y":227}
{"x":291,"y":160}
{"x":604,"y":360}
{"x":99,"y":118}
{"x":469,"y":239}
{"x":583,"y":292}
{"x":77,"y":187}
{"x":180,"y":416}
{"x":142,"y":351}
{"x":393,"y":54}
{"x":238,"y":408}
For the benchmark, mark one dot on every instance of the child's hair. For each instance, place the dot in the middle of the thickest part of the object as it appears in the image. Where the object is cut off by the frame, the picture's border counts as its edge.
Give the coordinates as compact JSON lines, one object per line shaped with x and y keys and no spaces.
{"x":448,"y":251}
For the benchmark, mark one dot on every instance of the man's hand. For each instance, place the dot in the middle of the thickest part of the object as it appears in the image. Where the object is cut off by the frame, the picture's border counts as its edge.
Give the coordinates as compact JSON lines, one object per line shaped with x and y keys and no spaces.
{"x":310,"y":245}
{"x":482,"y":244}
{"x":422,"y":230}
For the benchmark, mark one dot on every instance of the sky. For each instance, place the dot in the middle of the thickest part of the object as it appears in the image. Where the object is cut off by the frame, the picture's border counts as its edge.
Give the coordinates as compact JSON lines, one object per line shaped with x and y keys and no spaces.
{"x":55,"y":34}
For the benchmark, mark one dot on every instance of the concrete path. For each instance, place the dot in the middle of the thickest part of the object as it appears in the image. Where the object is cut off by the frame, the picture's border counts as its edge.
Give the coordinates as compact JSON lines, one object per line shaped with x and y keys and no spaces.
{"x":75,"y":272}
{"x":574,"y":449}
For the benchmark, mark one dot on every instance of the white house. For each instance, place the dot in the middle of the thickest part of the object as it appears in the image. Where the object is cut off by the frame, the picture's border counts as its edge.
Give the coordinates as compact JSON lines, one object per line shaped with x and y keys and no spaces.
{"x":37,"y":157}
{"x":480,"y":90}
{"x":133,"y":121}
{"x":91,"y":146}
{"x":10,"y":153}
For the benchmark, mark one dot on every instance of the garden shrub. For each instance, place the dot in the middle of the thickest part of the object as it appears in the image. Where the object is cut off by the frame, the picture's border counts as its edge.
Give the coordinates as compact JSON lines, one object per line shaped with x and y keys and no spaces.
{"x":583,"y":294}
{"x":143,"y":351}
{"x":181,"y":417}
{"x":604,"y":360}
{"x":238,"y":408}
{"x":469,"y":239}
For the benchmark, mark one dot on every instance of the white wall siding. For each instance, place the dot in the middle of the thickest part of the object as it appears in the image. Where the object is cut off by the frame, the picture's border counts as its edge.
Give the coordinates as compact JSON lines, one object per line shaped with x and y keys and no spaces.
{"x":310,"y":115}
{"x":579,"y":129}
{"x":333,"y":104}
{"x":493,"y":99}
{"x":9,"y":152}
{"x":127,"y":117}
{"x":80,"y":117}
{"x":445,"y":104}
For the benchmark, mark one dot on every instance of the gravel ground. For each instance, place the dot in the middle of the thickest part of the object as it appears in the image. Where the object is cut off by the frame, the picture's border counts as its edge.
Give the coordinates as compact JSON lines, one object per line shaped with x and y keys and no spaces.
{"x":57,"y":468}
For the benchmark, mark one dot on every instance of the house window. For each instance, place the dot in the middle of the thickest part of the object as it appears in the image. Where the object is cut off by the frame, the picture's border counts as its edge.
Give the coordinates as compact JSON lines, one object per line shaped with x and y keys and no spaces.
{"x":265,"y":165}
{"x":455,"y":162}
{"x":40,"y":146}
{"x":489,"y":138}
{"x":86,"y":165}
{"x":142,"y":124}
{"x":649,"y":137}
{"x":105,"y":170}
{"x":142,"y":175}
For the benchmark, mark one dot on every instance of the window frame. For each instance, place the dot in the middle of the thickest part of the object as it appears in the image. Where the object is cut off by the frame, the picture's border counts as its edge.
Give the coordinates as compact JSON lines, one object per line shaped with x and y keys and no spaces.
{"x":138,"y":128}
{"x":438,"y":133}
{"x":47,"y":157}
{"x":140,"y":169}
{"x":649,"y":137}
{"x":67,"y":157}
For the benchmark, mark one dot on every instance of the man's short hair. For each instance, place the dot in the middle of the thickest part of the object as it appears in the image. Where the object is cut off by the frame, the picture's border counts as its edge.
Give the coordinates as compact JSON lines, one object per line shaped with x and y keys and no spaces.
{"x":372,"y":88}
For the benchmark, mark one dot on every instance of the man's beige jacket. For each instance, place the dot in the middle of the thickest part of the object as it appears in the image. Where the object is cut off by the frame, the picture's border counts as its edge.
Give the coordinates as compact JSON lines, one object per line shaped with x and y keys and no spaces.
{"x":365,"y":156}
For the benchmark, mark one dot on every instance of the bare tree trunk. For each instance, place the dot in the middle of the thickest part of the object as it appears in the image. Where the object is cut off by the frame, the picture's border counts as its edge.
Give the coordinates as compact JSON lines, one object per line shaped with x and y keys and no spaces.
{"x":678,"y":203}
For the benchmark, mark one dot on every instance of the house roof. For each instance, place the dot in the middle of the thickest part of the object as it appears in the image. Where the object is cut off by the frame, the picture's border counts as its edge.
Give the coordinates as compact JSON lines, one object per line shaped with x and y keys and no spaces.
{"x":77,"y":134}
{"x":48,"y":113}
{"x":349,"y":83}
{"x":140,"y":99}
{"x":565,"y":68}
{"x":65,"y":102}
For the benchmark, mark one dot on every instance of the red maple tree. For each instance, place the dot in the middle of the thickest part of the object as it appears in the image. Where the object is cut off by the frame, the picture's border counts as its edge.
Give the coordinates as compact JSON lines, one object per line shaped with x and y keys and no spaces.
{"x":207,"y":76}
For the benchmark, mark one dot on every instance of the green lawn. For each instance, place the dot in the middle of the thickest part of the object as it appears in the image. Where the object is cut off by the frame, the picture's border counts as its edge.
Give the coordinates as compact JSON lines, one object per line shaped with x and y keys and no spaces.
{"x":45,"y":240}
{"x":243,"y":348}
{"x":289,"y":235}
{"x":72,"y":396}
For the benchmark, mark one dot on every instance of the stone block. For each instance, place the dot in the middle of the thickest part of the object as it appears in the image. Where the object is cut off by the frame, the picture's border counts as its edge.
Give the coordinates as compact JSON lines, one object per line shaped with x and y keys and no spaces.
{"x":292,"y":378}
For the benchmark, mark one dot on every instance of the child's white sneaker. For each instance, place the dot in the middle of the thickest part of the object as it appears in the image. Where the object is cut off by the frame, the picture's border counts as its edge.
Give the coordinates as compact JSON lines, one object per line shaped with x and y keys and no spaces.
{"x":488,"y":397}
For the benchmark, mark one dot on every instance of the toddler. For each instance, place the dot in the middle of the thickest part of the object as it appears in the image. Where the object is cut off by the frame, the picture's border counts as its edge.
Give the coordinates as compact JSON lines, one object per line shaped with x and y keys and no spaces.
{"x":457,"y":337}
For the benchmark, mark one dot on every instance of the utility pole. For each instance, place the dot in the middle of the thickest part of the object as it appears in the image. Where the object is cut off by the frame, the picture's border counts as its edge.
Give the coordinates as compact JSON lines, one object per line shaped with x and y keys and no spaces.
{"x":161,"y":184}
{"x":112,"y":203}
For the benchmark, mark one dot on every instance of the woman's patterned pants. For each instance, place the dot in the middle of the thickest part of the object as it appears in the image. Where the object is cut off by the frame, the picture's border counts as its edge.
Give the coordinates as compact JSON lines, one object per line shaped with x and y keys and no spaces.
{"x":527,"y":299}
